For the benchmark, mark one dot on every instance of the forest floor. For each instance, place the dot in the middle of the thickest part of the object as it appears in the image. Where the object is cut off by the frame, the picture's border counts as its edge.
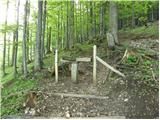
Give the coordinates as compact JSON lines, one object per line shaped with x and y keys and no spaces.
{"x":135,"y":96}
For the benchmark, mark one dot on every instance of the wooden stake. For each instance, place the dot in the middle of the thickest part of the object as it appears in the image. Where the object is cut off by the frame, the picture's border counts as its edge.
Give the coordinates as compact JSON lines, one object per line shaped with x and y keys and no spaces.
{"x":110,"y":67}
{"x":56,"y":65}
{"x":74,"y":72}
{"x":94,"y":64}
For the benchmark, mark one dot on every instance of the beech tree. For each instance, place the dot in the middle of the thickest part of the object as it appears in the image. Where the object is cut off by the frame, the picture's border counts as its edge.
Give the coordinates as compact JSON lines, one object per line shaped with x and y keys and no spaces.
{"x":16,"y":42}
{"x":38,"y":64}
{"x":24,"y":62}
{"x":112,"y":37}
{"x":4,"y":48}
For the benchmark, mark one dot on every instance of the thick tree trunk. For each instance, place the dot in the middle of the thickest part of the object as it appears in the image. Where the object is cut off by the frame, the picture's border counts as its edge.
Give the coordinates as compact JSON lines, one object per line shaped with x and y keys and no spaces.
{"x":38,"y":64}
{"x":24,"y":41}
{"x":16,"y":43}
{"x":71,"y":24}
{"x":113,"y":21}
{"x":4,"y":49}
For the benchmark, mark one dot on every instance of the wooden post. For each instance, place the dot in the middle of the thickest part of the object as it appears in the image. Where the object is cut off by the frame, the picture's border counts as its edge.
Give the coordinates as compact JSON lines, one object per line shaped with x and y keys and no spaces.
{"x":94,"y":64}
{"x":56,"y":65}
{"x":74,"y":72}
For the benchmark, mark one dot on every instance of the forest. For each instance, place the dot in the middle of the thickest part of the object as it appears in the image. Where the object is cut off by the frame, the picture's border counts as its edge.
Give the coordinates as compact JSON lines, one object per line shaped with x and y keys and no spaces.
{"x":79,"y":59}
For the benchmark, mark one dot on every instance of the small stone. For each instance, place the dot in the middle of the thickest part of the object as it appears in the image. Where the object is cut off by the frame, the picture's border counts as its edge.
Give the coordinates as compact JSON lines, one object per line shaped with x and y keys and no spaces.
{"x":125,"y":100}
{"x":26,"y":110}
{"x":38,"y":110}
{"x":67,"y":114}
{"x":32,"y":112}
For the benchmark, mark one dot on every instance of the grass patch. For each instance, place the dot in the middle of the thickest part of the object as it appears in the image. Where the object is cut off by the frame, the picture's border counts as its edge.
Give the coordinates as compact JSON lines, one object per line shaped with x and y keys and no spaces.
{"x":13,"y":105}
{"x":150,"y":31}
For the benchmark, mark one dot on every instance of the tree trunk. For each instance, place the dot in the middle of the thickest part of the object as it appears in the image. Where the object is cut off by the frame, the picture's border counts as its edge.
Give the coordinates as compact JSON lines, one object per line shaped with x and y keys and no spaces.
{"x":24,"y":40}
{"x":28,"y":15}
{"x":113,"y":21}
{"x":71,"y":24}
{"x":87,"y":37}
{"x":94,"y":20}
{"x":4,"y":49}
{"x":43,"y":31}
{"x":49,"y":40}
{"x":67,"y":27}
{"x":38,"y":37}
{"x":91,"y":21}
{"x":133,"y":16}
{"x":31,"y":49}
{"x":8,"y":49}
{"x":58,"y":30}
{"x":13,"y":48}
{"x":102,"y":25}
{"x":81,"y":28}
{"x":16,"y":43}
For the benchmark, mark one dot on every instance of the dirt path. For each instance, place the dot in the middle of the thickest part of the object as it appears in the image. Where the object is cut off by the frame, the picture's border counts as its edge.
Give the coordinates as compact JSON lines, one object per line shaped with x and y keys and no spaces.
{"x":124,"y":97}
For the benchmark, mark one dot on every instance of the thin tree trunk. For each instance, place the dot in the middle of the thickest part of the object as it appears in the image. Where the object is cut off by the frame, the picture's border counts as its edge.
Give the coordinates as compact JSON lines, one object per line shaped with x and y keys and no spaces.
{"x":81,"y":28}
{"x":91,"y":21}
{"x":13,"y":48}
{"x":4,"y":49}
{"x":8,"y":49}
{"x":28,"y":15}
{"x":38,"y":37}
{"x":94,"y":20}
{"x":31,"y":49}
{"x":16,"y":43}
{"x":49,"y":40}
{"x":133,"y":16}
{"x":67,"y":30}
{"x":102,"y":25}
{"x":43,"y":31}
{"x":87,"y":22}
{"x":58,"y":29}
{"x":25,"y":40}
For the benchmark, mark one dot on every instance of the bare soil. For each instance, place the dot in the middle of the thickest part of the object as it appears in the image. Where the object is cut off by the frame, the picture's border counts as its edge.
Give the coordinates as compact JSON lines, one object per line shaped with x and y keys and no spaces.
{"x":128,"y":97}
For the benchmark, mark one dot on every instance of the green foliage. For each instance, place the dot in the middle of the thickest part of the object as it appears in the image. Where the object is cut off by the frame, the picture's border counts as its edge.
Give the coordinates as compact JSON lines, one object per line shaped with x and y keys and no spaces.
{"x":132,"y":59}
{"x":13,"y":105}
{"x":151,"y":30}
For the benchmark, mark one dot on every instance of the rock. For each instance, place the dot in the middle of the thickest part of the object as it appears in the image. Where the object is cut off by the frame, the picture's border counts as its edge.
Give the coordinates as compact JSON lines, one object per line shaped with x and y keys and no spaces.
{"x":125,"y":100}
{"x":32,"y":112}
{"x":67,"y":114}
{"x":26,"y":110}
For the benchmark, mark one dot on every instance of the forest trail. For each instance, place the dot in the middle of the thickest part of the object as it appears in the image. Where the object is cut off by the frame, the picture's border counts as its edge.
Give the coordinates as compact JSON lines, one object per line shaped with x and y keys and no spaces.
{"x":124,"y":98}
